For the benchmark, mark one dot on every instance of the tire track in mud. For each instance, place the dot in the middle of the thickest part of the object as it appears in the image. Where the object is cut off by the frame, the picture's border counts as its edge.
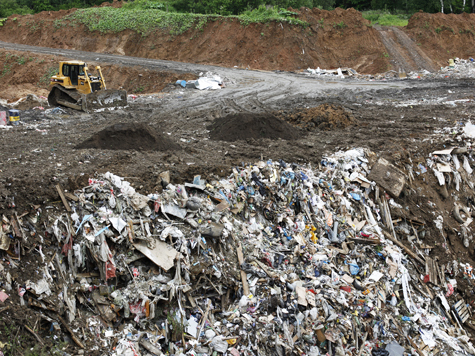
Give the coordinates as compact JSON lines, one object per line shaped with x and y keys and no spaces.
{"x":404,"y":53}
{"x":231,"y":103}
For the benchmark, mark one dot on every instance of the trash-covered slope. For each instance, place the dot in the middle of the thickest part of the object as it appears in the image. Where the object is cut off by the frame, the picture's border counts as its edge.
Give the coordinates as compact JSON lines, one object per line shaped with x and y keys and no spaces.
{"x":275,"y":258}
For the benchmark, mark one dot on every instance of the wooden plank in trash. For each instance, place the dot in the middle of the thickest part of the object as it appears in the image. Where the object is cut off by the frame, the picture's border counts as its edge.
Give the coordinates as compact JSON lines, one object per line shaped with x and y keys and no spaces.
{"x":245,"y":285}
{"x":366,"y":241}
{"x":63,"y":198}
{"x":431,"y":270}
{"x":461,"y":311}
{"x":71,"y":196}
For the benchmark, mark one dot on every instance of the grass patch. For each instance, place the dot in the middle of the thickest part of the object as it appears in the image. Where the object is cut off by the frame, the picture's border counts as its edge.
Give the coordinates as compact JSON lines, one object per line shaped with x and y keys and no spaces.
{"x":45,"y":78}
{"x":264,"y":15}
{"x":109,"y":19}
{"x":384,"y":18}
{"x":144,"y":21}
{"x":145,"y":5}
{"x":340,"y":25}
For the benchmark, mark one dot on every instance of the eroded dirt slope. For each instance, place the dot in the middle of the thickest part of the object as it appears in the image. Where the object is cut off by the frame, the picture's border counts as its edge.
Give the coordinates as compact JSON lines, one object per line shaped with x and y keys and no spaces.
{"x":339,"y":38}
{"x":443,"y":36}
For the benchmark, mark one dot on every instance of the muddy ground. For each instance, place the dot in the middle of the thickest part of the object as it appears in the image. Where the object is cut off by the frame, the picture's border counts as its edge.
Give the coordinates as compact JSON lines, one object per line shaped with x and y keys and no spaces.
{"x":399,"y":120}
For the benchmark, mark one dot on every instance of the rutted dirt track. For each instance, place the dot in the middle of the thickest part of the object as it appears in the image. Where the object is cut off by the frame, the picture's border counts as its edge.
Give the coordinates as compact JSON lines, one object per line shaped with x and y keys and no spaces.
{"x":404,"y":53}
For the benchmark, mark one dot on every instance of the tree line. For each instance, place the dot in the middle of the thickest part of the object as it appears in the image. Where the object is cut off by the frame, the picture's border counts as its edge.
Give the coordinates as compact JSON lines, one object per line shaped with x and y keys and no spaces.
{"x":236,"y":7}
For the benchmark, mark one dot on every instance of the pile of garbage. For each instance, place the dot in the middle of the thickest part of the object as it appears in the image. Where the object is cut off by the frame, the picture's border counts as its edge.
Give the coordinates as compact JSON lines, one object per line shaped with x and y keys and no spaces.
{"x":277,"y":258}
{"x":340,"y":72}
{"x":207,"y":81}
{"x":457,"y":69}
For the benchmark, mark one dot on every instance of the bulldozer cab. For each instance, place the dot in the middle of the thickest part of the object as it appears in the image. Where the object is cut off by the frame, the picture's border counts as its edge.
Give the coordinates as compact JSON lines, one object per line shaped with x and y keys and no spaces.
{"x":73,"y":71}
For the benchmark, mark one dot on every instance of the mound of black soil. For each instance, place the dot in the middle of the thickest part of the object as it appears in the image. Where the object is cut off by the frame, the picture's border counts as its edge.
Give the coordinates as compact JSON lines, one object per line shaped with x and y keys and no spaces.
{"x":245,"y":126}
{"x":323,"y":117}
{"x":131,"y":136}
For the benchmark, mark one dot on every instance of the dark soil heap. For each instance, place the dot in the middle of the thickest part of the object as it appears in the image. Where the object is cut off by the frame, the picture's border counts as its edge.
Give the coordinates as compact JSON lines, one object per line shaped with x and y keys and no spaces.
{"x":131,"y":136}
{"x":323,"y":117}
{"x":245,"y":126}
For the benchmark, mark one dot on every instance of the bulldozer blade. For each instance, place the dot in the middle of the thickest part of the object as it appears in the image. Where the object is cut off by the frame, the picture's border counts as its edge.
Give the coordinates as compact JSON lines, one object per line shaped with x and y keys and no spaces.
{"x":104,"y":99}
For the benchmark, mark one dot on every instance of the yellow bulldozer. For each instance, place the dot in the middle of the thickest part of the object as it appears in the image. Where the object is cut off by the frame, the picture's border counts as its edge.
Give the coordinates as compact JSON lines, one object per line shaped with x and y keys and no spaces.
{"x":78,"y":89}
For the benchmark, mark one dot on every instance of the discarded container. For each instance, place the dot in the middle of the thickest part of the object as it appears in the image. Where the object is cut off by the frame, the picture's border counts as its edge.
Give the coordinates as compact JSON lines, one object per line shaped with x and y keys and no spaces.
{"x":3,"y":118}
{"x":14,"y":116}
{"x":451,"y":63}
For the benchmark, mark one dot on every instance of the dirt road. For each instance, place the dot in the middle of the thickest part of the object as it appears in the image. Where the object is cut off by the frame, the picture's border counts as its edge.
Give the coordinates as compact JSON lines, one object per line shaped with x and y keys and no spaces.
{"x":263,"y":83}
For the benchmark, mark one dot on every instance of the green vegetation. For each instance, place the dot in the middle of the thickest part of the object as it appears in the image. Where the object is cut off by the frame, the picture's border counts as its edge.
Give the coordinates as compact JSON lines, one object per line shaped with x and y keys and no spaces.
{"x":8,"y":60}
{"x":45,"y":78}
{"x":109,"y":19}
{"x":264,"y":15}
{"x":237,"y":7}
{"x":143,"y":21}
{"x":384,"y":18}
{"x":138,"y":89}
{"x":340,"y":25}
{"x":147,"y":4}
{"x":182,"y":14}
{"x":10,"y":7}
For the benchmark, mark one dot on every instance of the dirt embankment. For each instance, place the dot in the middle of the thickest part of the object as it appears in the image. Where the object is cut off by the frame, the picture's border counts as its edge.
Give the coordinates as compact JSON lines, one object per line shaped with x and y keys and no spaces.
{"x":339,"y":38}
{"x":22,"y":73}
{"x":443,"y":36}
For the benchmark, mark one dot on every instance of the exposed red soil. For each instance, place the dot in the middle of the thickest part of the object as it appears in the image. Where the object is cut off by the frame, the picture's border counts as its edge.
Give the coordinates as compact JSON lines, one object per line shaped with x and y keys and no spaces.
{"x":333,"y":39}
{"x":338,"y":38}
{"x":443,"y":36}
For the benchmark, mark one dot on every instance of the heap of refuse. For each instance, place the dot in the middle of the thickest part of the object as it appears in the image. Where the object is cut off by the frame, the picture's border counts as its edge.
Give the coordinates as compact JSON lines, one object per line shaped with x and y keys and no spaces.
{"x":207,"y":81}
{"x":275,"y":259}
{"x":340,"y":72}
{"x":457,"y":69}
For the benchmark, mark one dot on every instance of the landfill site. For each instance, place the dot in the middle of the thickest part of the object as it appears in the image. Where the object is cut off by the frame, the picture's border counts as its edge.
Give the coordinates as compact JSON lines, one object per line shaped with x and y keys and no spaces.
{"x":321,"y":206}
